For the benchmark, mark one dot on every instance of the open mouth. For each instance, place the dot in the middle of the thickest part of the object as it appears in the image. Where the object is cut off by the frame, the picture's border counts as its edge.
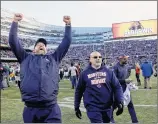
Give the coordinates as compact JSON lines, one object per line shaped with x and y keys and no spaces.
{"x":97,"y":62}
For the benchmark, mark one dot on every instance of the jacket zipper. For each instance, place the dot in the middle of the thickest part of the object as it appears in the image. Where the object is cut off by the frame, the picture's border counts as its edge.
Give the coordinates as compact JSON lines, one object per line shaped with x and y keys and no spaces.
{"x":40,"y":77}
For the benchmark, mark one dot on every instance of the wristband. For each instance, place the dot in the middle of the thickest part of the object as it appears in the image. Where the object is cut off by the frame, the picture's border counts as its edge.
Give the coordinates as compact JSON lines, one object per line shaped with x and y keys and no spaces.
{"x":68,"y":24}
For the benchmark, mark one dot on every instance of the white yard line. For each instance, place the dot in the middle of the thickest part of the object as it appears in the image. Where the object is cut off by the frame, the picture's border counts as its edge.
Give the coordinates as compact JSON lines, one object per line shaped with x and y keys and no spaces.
{"x":147,"y":89}
{"x":64,"y":88}
{"x":71,"y":103}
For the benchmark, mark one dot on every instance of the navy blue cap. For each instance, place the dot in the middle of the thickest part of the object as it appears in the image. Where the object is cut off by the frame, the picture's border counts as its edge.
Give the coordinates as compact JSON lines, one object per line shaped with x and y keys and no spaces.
{"x":41,"y":40}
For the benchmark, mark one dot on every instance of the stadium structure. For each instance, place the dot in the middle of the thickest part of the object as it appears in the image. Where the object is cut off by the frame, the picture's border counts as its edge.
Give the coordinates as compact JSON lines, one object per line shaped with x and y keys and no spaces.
{"x":137,"y":41}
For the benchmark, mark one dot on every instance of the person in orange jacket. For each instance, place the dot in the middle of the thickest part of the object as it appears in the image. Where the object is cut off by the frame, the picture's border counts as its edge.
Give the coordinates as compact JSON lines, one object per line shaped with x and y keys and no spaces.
{"x":137,"y":72}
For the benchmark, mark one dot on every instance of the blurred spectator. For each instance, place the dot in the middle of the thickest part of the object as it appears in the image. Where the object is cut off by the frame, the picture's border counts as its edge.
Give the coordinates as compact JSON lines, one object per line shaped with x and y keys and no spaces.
{"x":147,"y":71}
{"x":137,"y":73}
{"x":155,"y":69}
{"x":73,"y":75}
{"x":2,"y":71}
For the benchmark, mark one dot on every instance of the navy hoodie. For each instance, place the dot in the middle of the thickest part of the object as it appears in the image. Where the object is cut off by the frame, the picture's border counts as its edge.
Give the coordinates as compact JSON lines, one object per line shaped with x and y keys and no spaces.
{"x":97,"y":88}
{"x":39,"y":73}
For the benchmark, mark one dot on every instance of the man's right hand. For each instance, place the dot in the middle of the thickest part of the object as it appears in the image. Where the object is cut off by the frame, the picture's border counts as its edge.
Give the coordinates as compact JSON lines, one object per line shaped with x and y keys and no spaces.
{"x":155,"y":75}
{"x":18,"y":17}
{"x":78,"y":113}
{"x":120,"y":107}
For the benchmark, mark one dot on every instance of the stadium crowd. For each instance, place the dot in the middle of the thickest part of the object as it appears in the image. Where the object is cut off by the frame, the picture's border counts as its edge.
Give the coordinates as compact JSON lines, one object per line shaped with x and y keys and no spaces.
{"x":137,"y":50}
{"x":82,"y":45}
{"x":7,"y":54}
{"x":26,"y":42}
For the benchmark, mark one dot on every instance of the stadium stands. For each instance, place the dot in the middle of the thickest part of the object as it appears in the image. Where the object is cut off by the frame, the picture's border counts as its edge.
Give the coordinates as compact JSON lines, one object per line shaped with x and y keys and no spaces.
{"x":84,"y":41}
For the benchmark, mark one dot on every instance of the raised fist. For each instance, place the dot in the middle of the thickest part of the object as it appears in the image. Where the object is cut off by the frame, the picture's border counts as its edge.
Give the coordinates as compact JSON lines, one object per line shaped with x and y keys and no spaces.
{"x":67,"y":19}
{"x":18,"y":17}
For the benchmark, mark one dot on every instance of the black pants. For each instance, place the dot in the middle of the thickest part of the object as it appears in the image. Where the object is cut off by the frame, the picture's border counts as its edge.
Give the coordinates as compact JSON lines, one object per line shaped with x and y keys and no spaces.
{"x":138,"y":79}
{"x":61,"y":76}
{"x":18,"y":84}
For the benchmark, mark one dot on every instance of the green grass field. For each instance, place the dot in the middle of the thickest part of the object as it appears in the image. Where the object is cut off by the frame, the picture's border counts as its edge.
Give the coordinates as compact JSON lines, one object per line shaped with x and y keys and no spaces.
{"x":12,"y":107}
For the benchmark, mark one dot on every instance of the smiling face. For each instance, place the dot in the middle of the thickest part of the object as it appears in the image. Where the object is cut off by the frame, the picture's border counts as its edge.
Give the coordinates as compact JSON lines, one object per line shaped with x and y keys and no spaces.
{"x":40,"y":48}
{"x":96,"y":59}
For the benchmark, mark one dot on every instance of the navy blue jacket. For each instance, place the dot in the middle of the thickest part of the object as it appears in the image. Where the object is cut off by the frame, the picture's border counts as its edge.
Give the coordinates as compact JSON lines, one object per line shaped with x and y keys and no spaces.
{"x":122,"y":72}
{"x":39,"y":73}
{"x":97,"y":88}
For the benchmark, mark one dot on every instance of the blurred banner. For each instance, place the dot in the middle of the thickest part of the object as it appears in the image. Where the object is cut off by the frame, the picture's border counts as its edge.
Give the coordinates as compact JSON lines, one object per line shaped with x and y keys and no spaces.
{"x":135,"y":28}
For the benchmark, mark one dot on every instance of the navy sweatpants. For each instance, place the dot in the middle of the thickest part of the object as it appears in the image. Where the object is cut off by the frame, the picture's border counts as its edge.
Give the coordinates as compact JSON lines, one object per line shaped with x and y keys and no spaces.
{"x":42,"y":115}
{"x":100,"y":117}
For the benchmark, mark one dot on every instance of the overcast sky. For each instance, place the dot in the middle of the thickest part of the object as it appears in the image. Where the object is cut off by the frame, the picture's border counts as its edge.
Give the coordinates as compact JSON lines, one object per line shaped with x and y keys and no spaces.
{"x":85,"y":13}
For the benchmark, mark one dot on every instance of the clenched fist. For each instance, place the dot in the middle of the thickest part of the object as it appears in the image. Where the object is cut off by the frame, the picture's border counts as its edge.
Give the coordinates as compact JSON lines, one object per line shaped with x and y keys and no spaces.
{"x":18,"y":17}
{"x":67,"y":19}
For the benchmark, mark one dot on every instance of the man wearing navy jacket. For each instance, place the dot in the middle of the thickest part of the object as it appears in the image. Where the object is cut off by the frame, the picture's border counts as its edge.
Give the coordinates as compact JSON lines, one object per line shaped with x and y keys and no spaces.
{"x":39,"y":75}
{"x":97,"y":85}
{"x":122,"y":72}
